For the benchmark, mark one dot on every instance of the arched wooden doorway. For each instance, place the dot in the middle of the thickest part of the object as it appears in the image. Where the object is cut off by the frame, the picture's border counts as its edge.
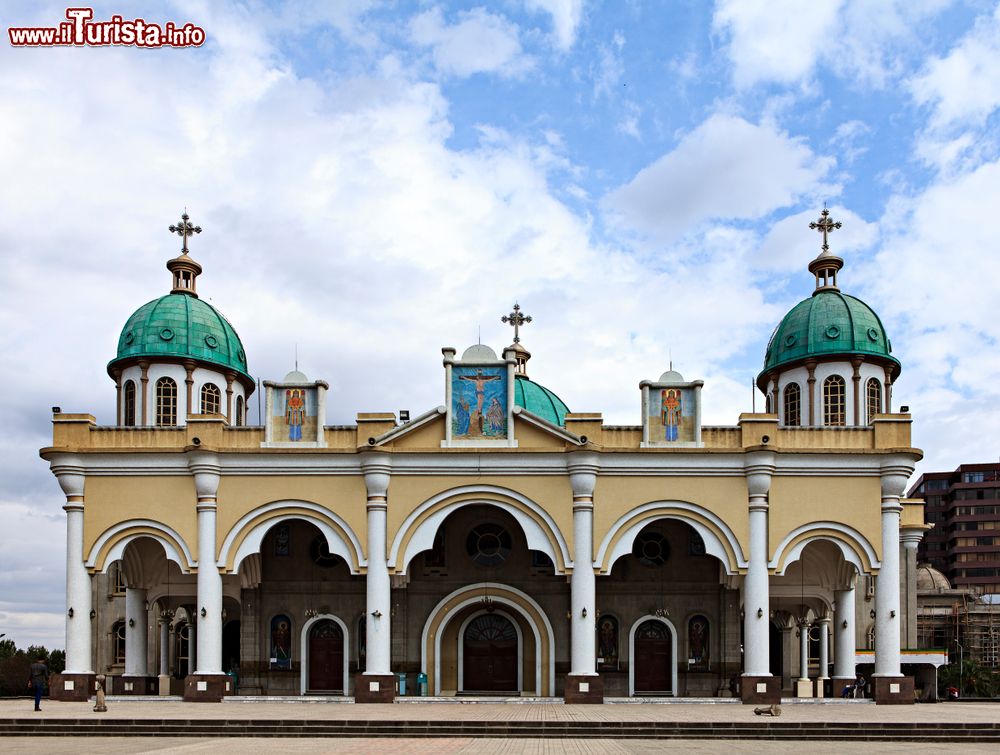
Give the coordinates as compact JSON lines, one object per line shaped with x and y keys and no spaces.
{"x":326,"y":657}
{"x":653,"y":658}
{"x":490,"y":655}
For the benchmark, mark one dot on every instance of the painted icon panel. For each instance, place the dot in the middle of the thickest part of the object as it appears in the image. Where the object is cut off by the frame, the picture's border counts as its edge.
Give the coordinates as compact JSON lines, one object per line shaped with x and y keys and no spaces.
{"x":479,"y":403}
{"x":294,"y":414}
{"x":671,"y":414}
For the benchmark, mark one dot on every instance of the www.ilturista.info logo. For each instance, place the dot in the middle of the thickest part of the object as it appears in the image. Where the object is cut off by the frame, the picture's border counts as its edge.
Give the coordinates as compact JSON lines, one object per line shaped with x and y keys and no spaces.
{"x":81,"y":30}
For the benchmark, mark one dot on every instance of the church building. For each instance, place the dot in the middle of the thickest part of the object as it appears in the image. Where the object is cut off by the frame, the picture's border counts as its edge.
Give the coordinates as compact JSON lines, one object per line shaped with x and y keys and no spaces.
{"x":499,"y":544}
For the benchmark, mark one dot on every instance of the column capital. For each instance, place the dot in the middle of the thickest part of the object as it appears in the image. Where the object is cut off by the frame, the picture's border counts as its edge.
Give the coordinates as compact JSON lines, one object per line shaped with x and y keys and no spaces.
{"x":895,"y":472}
{"x":377,"y":469}
{"x":70,"y":472}
{"x":204,"y":467}
{"x":758,"y":467}
{"x":582,"y":468}
{"x":911,"y":536}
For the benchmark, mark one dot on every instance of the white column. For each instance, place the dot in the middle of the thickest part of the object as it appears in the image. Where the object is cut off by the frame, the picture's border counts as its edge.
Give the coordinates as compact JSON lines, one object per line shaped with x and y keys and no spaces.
{"x":887,"y":619}
{"x":824,"y":648}
{"x":803,"y":651}
{"x":79,"y":597}
{"x":583,"y":584}
{"x":378,"y":615}
{"x":205,"y":469}
{"x":136,"y":631}
{"x":756,"y":594}
{"x":844,"y":650}
{"x":164,"y":647}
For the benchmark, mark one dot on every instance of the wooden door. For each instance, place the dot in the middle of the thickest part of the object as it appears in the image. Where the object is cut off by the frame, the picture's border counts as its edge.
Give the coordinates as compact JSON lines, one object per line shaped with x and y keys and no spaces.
{"x":489,"y":654}
{"x":653,"y":658}
{"x":326,"y":657}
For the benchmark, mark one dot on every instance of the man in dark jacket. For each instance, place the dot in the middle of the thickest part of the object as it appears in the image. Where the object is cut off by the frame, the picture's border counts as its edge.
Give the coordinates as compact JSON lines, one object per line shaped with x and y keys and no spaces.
{"x":39,"y":675}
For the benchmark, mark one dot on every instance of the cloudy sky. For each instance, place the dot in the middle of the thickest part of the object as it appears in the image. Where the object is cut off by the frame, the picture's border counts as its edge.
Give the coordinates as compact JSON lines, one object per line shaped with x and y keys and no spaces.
{"x":377,"y":180}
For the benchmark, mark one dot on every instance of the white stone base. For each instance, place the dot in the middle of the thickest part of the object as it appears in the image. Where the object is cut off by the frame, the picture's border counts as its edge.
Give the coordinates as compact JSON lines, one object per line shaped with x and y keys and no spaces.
{"x":803,"y":688}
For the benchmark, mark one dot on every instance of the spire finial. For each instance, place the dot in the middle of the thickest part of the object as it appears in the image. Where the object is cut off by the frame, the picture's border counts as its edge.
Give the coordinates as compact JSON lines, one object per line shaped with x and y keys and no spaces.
{"x":185,"y":229}
{"x":825,"y":226}
{"x":517,"y":319}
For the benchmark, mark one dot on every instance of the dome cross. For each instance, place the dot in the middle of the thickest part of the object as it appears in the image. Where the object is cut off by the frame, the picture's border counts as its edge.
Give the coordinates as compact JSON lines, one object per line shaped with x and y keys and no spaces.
{"x":185,"y":229}
{"x":517,"y":319}
{"x":825,"y":226}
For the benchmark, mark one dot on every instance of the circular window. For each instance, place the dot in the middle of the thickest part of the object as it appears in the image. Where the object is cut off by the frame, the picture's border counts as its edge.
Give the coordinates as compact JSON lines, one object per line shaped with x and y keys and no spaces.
{"x":212,"y":342}
{"x":791,"y":339}
{"x":166,"y":334}
{"x":489,"y":544}
{"x":651,"y":549}
{"x":129,"y":337}
{"x":833,"y":332}
{"x":319,"y":552}
{"x":872,"y":335}
{"x":241,"y":356}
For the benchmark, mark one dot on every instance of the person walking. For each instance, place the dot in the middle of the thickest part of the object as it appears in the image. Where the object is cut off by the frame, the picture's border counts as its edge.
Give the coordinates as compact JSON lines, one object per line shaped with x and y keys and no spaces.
{"x":39,"y":675}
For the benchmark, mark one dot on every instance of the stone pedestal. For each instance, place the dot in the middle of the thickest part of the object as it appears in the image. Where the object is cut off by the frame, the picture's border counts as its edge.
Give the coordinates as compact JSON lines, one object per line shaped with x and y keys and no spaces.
{"x":893,"y":690}
{"x":374,"y":688}
{"x":584,"y":689}
{"x":71,"y":687}
{"x":760,"y":690}
{"x":207,"y":688}
{"x":133,"y":685}
{"x":803,"y":688}
{"x":163,"y":685}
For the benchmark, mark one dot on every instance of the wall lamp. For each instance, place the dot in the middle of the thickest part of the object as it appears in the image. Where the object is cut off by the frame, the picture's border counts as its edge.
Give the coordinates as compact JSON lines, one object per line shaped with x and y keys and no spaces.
{"x":872,"y":613}
{"x":583,"y":613}
{"x":892,"y":614}
{"x":204,"y":612}
{"x":70,"y":612}
{"x":844,"y":625}
{"x":131,"y":623}
{"x":93,"y":613}
{"x":377,"y":614}
{"x":760,"y":613}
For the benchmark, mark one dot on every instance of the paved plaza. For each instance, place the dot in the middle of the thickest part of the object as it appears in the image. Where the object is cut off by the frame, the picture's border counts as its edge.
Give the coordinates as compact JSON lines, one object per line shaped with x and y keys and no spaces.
{"x":830,"y":711}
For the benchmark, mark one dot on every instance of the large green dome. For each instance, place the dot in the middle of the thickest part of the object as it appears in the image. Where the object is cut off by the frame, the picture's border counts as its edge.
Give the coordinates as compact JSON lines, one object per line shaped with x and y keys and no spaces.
{"x":826,"y":324}
{"x":539,"y":400}
{"x":181,"y":326}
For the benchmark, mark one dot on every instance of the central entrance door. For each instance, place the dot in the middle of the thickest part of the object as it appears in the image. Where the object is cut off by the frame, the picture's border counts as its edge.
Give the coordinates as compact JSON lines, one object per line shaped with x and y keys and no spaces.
{"x":653,"y":658}
{"x":489,"y":651}
{"x":326,"y":657}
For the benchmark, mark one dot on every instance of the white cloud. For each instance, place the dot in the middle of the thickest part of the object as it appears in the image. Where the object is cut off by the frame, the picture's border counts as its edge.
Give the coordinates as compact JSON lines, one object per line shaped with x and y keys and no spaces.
{"x":609,"y":68}
{"x":480,"y":42}
{"x":566,"y":17}
{"x":783,"y":41}
{"x":725,"y":168}
{"x":963,"y":87}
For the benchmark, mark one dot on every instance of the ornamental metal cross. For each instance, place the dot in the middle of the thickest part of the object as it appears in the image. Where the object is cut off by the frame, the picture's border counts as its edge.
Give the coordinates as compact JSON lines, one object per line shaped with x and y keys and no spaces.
{"x":517,"y":319}
{"x":826,"y":227}
{"x":185,"y":229}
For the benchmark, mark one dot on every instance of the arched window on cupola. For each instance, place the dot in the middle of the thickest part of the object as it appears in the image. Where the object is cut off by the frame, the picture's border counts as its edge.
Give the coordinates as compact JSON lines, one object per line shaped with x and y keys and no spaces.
{"x":873,"y":394}
{"x":240,"y":409}
{"x":129,"y":403}
{"x":211,"y":397}
{"x":793,"y":405}
{"x":166,"y":402}
{"x":834,"y":401}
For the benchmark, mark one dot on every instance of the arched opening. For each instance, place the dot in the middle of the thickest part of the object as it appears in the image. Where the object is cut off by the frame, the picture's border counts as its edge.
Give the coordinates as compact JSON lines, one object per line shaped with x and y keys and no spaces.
{"x":166,"y":402}
{"x":653,"y":650}
{"x":834,"y":401}
{"x":128,"y":415}
{"x":491,"y":649}
{"x":326,"y":655}
{"x":792,"y":405}
{"x":211,"y":398}
{"x":240,"y":412}
{"x":873,"y":403}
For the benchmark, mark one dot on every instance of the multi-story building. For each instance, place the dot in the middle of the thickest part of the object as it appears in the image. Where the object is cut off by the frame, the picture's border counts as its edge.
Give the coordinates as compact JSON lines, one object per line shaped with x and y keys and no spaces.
{"x":964,"y":508}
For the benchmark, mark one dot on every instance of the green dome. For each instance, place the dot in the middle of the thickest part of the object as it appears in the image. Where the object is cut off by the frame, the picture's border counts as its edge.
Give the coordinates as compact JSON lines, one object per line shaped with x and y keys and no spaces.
{"x":539,"y":400}
{"x":828,"y":323}
{"x":181,"y":326}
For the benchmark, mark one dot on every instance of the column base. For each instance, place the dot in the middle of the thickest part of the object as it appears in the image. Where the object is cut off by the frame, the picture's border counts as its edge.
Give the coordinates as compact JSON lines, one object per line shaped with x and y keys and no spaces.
{"x":207,"y":688}
{"x":374,"y":688}
{"x":584,"y":689}
{"x":821,"y":687}
{"x":163,"y":684}
{"x":803,"y":688}
{"x":71,"y":687}
{"x":760,"y":690}
{"x":133,"y":685}
{"x":894,"y":690}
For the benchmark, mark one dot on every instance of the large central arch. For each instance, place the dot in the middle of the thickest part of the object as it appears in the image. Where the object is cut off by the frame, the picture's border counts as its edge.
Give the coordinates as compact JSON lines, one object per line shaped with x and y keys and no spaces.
{"x":417,"y":531}
{"x":502,"y":595}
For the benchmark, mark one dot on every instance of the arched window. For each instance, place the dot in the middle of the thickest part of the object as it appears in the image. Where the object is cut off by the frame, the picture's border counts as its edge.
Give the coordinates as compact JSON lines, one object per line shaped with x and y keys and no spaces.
{"x":240,"y":420}
{"x":767,"y":403}
{"x":834,"y":401}
{"x":166,"y":402}
{"x":118,"y":642}
{"x":793,"y":404}
{"x":129,"y":402}
{"x":211,"y":396}
{"x":873,"y":393}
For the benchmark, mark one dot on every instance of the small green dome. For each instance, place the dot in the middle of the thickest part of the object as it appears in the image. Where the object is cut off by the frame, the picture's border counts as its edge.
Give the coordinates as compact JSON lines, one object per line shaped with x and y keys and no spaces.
{"x":539,"y":400}
{"x":181,"y":326}
{"x":828,"y":323}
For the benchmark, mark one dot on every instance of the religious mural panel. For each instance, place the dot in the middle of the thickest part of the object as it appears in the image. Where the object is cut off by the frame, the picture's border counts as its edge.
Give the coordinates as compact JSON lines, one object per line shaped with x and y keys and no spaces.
{"x":698,"y":641}
{"x":671,"y":414}
{"x":479,"y":403}
{"x":607,"y":643}
{"x":295,"y":415}
{"x":281,"y":642}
